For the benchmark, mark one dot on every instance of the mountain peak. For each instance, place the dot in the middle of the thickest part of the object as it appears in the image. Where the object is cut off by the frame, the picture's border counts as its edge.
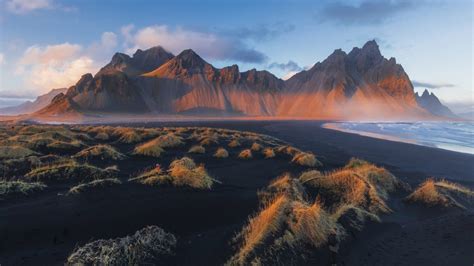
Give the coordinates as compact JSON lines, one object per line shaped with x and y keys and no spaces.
{"x":189,"y":59}
{"x":426,"y":93}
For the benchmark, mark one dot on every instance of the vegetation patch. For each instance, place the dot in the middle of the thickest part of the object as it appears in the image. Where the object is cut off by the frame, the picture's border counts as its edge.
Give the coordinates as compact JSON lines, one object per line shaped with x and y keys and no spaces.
{"x":245,"y":154}
{"x":268,"y":153}
{"x":306,"y":159}
{"x":14,"y":152}
{"x":67,"y":171}
{"x":10,"y":189}
{"x":441,"y":193}
{"x":221,"y":153}
{"x":147,"y":246}
{"x":94,"y":185}
{"x":100,"y":152}
{"x":197,"y":149}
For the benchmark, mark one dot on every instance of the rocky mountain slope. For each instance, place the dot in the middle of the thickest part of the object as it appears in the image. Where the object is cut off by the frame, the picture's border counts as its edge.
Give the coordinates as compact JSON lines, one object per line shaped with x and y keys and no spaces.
{"x":430,"y":102}
{"x":360,"y":84}
{"x":32,"y":106}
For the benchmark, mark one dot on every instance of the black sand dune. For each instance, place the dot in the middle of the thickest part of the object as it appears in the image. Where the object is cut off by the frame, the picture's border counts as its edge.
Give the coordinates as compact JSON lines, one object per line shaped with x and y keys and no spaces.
{"x":44,"y":228}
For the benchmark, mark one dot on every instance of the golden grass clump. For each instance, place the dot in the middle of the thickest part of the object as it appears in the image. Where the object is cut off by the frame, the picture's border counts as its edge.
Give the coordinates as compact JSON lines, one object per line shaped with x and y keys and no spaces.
{"x":288,"y":150}
{"x":284,"y":224}
{"x":197,"y":149}
{"x":67,"y":171}
{"x":185,"y":172}
{"x":212,"y":139}
{"x":306,"y":159}
{"x":169,"y":140}
{"x":15,"y":152}
{"x":256,"y":147}
{"x":221,"y":153}
{"x":234,"y":143}
{"x":151,"y":148}
{"x":62,"y":146}
{"x":245,"y":154}
{"x":146,"y":247}
{"x":268,"y":153}
{"x":441,"y":193}
{"x":154,"y":177}
{"x":94,"y":185}
{"x":102,"y":136}
{"x":100,"y":152}
{"x":268,"y":222}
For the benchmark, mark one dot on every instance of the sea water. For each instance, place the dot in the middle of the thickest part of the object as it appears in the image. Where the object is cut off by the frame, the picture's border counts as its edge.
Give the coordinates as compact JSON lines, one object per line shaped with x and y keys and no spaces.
{"x":455,"y":136}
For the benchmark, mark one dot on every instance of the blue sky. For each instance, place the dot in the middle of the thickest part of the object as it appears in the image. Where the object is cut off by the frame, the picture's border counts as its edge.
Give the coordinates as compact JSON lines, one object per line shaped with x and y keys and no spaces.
{"x":46,"y":44}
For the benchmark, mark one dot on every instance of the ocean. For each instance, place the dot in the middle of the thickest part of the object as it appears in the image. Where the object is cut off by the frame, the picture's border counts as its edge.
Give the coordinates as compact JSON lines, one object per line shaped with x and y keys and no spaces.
{"x":454,"y":136}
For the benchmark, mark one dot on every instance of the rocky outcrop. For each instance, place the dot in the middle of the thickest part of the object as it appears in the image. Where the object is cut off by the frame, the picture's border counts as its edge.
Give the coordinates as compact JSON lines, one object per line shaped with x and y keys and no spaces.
{"x":431,"y":103}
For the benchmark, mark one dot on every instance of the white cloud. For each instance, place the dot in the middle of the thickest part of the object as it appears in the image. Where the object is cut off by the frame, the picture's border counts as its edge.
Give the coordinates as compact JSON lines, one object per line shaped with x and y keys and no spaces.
{"x":2,"y":59}
{"x":50,"y":54}
{"x":289,"y":75}
{"x":109,"y":40}
{"x":47,"y":77}
{"x":25,"y":6}
{"x":54,"y":66}
{"x":209,"y":45}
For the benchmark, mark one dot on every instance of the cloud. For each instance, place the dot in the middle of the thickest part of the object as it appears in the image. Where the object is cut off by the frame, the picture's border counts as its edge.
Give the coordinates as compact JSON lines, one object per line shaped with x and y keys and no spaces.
{"x":26,"y":6}
{"x":54,"y":66}
{"x":258,"y":32}
{"x":431,"y":85}
{"x":366,"y":12}
{"x":290,"y":66}
{"x":50,"y":54}
{"x":109,"y":40}
{"x":207,"y":44}
{"x":2,"y":59}
{"x":289,"y":75}
{"x":22,"y":7}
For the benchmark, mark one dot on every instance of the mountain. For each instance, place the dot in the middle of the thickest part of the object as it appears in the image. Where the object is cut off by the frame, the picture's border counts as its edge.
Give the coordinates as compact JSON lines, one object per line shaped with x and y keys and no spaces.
{"x":32,"y":106}
{"x":431,"y":103}
{"x":361,"y":84}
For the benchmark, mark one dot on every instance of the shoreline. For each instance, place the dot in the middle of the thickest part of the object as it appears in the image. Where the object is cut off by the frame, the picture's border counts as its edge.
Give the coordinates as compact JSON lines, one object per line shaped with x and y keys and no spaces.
{"x":336,"y":126}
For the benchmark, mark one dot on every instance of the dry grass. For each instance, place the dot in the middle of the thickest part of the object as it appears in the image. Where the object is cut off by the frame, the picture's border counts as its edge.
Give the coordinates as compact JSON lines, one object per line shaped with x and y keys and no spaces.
{"x":15,"y":152}
{"x":285,"y":223}
{"x":268,"y":153}
{"x":13,"y":188}
{"x":269,"y":221}
{"x":306,"y":159}
{"x":169,"y":140}
{"x":234,"y":143}
{"x":154,"y":177}
{"x":256,"y":147}
{"x":288,"y":150}
{"x":312,"y":224}
{"x":441,"y":193}
{"x":100,"y":152}
{"x":185,"y":172}
{"x":94,"y":185}
{"x":62,"y":146}
{"x":221,"y":153}
{"x":151,"y":148}
{"x":67,"y":171}
{"x":197,"y":149}
{"x":102,"y":136}
{"x":245,"y":154}
{"x":146,"y":247}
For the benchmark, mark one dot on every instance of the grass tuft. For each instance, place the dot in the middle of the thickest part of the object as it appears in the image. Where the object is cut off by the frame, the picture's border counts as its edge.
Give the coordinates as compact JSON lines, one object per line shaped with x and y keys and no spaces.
{"x":245,"y":154}
{"x":221,"y":153}
{"x":146,"y":247}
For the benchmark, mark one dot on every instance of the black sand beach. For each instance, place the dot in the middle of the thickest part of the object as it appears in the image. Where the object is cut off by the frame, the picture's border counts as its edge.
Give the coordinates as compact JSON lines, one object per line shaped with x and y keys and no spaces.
{"x":43,"y":230}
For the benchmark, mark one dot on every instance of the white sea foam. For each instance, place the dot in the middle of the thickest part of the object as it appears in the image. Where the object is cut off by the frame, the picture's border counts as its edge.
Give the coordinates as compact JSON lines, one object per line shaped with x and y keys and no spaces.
{"x":455,"y":136}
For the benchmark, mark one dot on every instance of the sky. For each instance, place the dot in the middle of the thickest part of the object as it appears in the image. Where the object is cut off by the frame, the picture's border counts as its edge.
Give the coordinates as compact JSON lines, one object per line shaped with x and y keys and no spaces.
{"x":46,"y":44}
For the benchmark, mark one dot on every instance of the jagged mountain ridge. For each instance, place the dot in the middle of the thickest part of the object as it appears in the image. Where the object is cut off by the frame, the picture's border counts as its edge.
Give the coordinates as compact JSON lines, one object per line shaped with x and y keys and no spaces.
{"x":430,"y":102}
{"x":32,"y":106}
{"x":360,"y":84}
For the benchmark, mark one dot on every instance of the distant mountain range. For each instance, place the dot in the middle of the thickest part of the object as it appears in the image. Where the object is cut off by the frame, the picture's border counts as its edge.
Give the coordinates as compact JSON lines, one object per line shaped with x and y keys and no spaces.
{"x":359,"y":85}
{"x":32,"y":106}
